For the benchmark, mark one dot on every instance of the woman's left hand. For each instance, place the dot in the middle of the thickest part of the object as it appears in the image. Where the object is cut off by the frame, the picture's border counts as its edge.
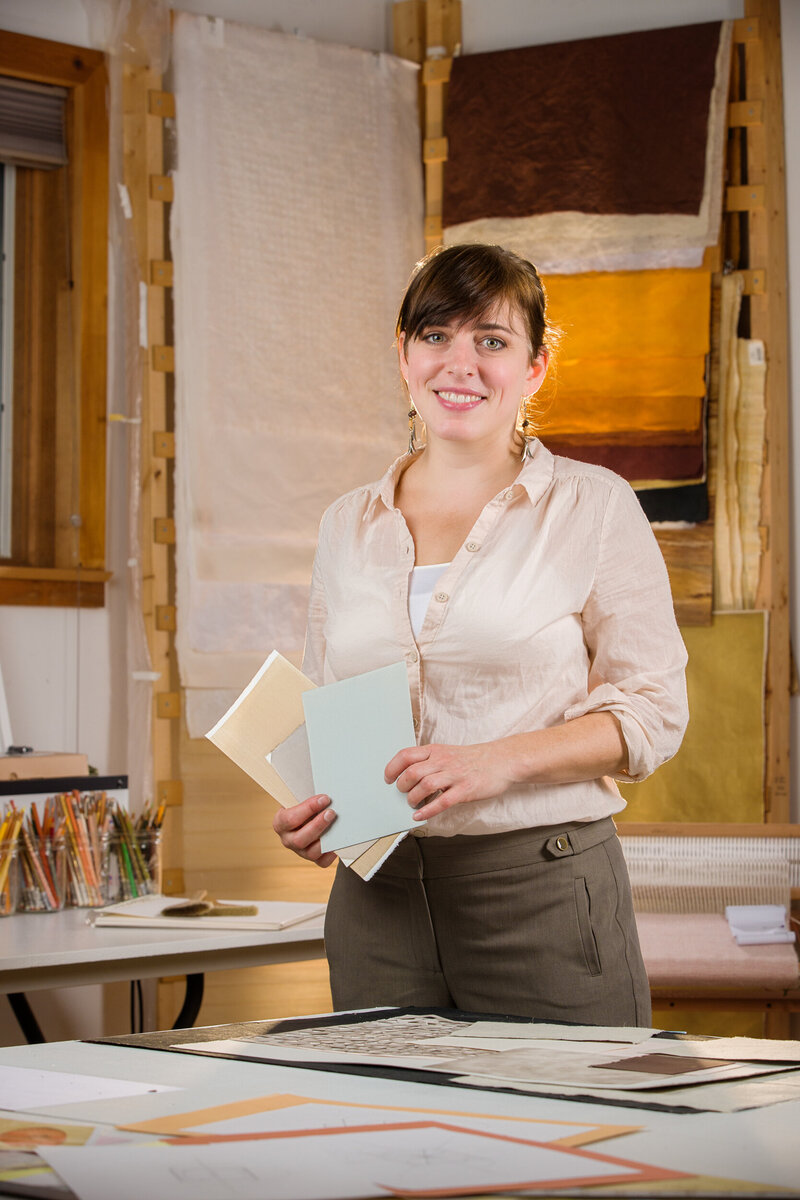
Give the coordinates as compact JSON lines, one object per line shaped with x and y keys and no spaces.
{"x":436,"y":777}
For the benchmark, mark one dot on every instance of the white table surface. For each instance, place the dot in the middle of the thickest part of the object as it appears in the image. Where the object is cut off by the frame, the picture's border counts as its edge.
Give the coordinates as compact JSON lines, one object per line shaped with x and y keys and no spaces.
{"x":45,"y":950}
{"x":759,"y":1146}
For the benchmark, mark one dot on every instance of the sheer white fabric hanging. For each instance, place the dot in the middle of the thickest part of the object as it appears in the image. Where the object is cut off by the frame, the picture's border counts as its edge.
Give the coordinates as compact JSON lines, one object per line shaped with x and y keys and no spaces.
{"x":296,"y":222}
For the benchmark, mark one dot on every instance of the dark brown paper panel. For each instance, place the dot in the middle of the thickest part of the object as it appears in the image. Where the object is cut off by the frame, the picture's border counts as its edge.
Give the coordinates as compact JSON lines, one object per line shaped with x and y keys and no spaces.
{"x":688,"y":554}
{"x":581,"y":126}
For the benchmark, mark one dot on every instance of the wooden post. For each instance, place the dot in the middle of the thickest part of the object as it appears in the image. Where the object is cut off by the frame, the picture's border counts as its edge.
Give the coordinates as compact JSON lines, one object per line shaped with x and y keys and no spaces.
{"x":145,"y":106}
{"x":430,"y":34}
{"x":769,"y":321}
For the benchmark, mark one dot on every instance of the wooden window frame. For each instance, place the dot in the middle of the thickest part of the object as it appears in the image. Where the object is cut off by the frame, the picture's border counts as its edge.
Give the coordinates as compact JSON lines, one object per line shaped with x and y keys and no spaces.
{"x":50,"y":565}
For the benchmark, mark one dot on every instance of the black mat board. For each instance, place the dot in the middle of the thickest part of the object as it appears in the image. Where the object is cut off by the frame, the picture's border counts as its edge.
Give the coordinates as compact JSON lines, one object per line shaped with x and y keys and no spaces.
{"x":190,"y":1041}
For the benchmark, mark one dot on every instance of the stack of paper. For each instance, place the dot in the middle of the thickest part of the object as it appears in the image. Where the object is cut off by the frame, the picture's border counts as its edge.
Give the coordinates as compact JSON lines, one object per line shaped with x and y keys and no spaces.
{"x":758,"y":924}
{"x":297,"y":740}
{"x":146,"y":913}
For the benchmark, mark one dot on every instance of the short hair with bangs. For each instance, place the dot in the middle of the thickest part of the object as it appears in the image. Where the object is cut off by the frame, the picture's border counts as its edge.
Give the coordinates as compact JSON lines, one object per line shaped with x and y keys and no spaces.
{"x":465,"y":282}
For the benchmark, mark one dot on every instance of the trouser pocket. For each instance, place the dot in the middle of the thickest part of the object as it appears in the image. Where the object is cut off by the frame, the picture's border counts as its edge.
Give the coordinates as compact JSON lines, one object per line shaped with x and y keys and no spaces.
{"x":583,"y":911}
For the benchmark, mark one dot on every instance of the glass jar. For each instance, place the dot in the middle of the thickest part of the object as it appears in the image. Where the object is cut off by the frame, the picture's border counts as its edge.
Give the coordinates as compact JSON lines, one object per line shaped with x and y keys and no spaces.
{"x":131,"y":865}
{"x":9,"y":877}
{"x":43,"y":874}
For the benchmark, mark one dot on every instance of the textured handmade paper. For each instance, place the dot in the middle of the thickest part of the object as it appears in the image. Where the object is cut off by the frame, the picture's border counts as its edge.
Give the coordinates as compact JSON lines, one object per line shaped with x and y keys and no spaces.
{"x":718,"y":774}
{"x":296,"y":222}
{"x":568,"y":154}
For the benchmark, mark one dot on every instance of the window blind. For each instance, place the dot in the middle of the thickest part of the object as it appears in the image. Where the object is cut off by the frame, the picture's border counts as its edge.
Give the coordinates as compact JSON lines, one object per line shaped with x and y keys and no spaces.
{"x":32,"y":123}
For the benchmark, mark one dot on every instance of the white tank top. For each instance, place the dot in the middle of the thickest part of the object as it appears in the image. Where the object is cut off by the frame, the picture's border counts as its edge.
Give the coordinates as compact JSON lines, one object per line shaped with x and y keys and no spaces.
{"x":420,"y":589}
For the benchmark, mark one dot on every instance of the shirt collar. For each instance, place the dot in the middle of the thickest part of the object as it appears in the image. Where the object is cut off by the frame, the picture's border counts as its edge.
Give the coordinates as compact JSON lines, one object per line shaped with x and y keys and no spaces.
{"x":534,"y":476}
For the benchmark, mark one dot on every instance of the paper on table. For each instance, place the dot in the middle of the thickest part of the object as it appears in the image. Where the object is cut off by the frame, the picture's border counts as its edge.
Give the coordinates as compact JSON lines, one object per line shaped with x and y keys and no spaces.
{"x":759,"y":1091}
{"x":24,"y":1089}
{"x":579,"y":1070}
{"x":416,"y":1158}
{"x":279,"y":1111}
{"x":738,"y":1049}
{"x":355,"y":727}
{"x":145,"y":912}
{"x":567,"y":1033}
{"x":266,"y":1051}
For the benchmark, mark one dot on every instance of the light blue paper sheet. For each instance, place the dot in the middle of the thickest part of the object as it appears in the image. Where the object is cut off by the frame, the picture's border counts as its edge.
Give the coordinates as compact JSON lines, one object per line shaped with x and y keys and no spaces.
{"x":354,"y":727}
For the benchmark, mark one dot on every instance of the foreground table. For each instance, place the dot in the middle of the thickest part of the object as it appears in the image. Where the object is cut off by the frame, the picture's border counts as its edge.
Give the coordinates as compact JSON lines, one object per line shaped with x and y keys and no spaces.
{"x":757,"y":1149}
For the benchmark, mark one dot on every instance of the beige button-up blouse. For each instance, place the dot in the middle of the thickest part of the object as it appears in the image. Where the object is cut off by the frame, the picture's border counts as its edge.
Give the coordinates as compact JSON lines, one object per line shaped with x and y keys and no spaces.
{"x":557,"y":604}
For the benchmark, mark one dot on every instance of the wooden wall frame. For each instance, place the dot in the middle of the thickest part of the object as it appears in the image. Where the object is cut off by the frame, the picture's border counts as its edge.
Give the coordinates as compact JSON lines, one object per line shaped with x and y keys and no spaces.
{"x":51,"y":564}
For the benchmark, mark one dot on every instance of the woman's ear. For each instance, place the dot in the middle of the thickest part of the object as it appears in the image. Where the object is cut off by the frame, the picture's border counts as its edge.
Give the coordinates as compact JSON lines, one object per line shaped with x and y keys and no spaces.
{"x":537,"y":371}
{"x":401,"y":355}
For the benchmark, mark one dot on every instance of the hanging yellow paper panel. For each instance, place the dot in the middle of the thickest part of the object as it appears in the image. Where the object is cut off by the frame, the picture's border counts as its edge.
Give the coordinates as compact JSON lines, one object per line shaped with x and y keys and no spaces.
{"x":639,"y":314}
{"x":718,"y":774}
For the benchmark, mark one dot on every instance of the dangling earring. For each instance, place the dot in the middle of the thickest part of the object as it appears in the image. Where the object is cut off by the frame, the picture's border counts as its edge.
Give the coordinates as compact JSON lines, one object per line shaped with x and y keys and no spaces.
{"x":527,"y":438}
{"x":412,"y":430}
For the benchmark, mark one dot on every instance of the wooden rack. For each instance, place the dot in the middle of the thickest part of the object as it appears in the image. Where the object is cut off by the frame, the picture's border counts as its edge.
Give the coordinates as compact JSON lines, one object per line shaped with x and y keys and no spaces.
{"x":429,"y":32}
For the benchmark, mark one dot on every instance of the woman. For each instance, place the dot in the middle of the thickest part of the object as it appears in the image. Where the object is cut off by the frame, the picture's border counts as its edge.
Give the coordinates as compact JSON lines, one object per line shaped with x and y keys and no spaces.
{"x":529,"y":600}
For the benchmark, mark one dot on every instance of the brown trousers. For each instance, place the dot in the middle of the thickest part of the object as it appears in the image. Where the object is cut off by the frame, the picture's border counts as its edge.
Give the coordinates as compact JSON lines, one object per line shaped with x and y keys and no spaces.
{"x":535,"y":923}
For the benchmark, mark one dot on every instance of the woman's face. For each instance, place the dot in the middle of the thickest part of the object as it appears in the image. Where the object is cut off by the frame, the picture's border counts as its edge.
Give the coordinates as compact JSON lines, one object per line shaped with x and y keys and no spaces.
{"x":467,"y":379}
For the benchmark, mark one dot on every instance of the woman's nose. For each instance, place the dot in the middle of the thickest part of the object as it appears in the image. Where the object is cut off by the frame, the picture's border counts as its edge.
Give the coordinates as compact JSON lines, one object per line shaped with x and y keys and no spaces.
{"x":461,"y":357}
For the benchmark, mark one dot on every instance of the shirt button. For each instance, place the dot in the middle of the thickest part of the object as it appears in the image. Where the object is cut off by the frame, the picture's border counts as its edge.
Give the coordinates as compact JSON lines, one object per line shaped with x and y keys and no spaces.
{"x":473,"y":546}
{"x":416,"y":724}
{"x":509,"y":495}
{"x":442,"y":597}
{"x":412,"y":656}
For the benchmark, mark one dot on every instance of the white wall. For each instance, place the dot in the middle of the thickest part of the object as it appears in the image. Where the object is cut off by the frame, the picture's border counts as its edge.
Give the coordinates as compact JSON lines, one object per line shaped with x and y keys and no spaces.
{"x":61,"y":667}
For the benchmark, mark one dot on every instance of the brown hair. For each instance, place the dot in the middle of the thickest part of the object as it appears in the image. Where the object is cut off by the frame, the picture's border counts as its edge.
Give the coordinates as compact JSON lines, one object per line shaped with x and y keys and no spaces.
{"x":464,"y":282}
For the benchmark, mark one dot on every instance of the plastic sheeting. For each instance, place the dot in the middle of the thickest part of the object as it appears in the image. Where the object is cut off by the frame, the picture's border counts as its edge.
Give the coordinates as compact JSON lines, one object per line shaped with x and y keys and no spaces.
{"x":296,"y":222}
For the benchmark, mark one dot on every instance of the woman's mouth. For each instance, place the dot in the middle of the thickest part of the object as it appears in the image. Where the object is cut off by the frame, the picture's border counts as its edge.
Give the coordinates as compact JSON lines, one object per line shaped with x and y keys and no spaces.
{"x":459,"y":400}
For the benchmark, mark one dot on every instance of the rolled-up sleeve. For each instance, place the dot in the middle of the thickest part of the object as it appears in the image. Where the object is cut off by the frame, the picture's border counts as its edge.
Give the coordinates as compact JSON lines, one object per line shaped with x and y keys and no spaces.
{"x":637,"y":655}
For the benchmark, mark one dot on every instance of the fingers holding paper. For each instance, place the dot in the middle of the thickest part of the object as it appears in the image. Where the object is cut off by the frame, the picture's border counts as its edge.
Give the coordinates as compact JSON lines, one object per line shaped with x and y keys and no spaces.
{"x":301,"y":826}
{"x":436,"y":777}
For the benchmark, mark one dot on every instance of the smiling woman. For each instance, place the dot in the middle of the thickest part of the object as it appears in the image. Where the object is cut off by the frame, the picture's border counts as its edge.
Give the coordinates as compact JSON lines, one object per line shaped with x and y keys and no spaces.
{"x":545,"y":662}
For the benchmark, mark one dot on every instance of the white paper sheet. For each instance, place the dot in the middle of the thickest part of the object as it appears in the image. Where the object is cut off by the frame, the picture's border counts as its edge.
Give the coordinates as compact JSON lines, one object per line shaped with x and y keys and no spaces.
{"x":342,"y":1166}
{"x":24,"y":1089}
{"x":566,"y":1033}
{"x":146,"y":912}
{"x":316,"y":1114}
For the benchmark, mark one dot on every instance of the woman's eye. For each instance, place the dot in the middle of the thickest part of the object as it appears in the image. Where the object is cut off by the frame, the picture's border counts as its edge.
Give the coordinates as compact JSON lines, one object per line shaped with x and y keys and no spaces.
{"x":493,"y":343}
{"x":435,"y":339}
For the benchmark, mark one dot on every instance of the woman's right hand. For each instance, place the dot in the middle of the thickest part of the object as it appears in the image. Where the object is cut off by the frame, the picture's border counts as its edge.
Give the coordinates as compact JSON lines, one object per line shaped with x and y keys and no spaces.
{"x":301,"y":826}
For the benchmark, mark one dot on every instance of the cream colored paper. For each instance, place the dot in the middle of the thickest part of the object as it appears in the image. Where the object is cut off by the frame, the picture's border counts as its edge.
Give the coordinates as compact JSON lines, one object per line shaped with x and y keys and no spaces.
{"x":264,"y":715}
{"x":266,"y":712}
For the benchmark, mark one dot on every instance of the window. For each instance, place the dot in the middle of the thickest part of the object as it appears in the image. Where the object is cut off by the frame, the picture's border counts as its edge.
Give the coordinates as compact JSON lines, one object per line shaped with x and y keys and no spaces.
{"x":54,"y":301}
